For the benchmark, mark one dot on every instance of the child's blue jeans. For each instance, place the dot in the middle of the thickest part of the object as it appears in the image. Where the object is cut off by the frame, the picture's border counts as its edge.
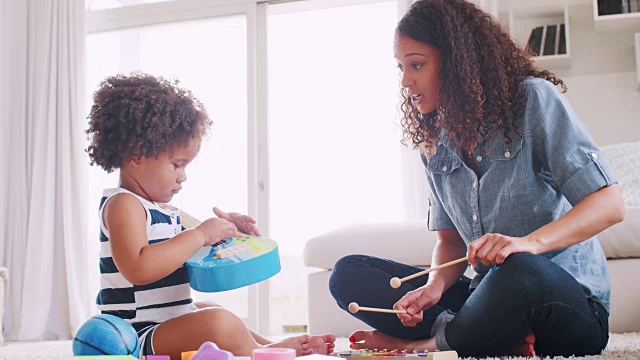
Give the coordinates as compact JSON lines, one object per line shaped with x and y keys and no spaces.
{"x":527,"y":293}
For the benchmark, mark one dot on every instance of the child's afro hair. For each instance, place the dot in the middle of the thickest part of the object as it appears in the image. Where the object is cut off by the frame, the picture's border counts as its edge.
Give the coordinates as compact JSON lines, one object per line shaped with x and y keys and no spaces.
{"x":141,"y":115}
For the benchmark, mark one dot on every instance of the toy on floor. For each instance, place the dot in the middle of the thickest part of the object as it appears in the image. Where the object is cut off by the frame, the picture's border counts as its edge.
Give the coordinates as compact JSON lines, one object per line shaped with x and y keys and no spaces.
{"x":187,"y":355}
{"x":207,"y":351}
{"x":106,"y":335}
{"x":105,"y":357}
{"x":273,"y":354}
{"x":386,"y":355}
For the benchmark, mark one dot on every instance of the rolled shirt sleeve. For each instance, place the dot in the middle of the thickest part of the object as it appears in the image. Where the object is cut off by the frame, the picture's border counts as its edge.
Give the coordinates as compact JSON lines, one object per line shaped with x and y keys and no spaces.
{"x":562,"y":145}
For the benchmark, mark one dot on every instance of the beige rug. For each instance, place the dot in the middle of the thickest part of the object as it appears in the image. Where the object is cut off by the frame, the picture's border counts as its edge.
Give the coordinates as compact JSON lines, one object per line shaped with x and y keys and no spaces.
{"x":621,"y":347}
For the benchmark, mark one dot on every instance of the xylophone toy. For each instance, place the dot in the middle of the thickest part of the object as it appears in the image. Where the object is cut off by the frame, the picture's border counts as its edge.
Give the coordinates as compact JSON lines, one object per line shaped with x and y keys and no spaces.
{"x":385,"y":354}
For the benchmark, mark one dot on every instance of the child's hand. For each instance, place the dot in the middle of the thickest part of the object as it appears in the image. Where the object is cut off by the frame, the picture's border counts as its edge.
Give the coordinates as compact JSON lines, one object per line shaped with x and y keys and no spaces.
{"x":216,"y":229}
{"x":245,"y":223}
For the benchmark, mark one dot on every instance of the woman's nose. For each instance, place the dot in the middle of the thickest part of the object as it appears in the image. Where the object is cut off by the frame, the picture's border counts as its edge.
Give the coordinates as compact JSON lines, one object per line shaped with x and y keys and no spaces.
{"x":405,"y":80}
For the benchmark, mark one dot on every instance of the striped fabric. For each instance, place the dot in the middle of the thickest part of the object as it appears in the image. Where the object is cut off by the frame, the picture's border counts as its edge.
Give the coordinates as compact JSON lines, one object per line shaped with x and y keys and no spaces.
{"x":156,"y":302}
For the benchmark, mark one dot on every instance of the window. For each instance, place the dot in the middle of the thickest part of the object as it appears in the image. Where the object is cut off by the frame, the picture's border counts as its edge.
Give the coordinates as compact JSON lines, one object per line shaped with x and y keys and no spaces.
{"x":333,"y":132}
{"x":209,"y":57}
{"x":334,"y":147}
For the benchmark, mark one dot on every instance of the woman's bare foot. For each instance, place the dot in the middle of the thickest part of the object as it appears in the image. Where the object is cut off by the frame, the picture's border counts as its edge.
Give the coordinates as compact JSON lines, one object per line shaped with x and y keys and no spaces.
{"x":525,"y":348}
{"x":374,"y":339}
{"x":306,"y":344}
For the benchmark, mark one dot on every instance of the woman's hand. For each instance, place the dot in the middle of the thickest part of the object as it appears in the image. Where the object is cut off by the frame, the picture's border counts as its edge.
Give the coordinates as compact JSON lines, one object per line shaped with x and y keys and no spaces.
{"x":495,"y":248}
{"x":245,"y":223}
{"x":416,"y":301}
{"x":216,"y":229}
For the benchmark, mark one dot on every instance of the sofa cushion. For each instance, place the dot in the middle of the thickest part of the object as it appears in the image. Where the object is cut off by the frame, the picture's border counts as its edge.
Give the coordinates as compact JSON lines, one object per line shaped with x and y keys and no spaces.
{"x":622,"y":240}
{"x":411,"y":243}
{"x":625,"y":160}
{"x":408,"y":242}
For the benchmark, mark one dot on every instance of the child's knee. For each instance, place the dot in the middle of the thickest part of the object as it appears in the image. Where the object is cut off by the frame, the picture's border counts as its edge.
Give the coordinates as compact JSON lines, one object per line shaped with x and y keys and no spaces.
{"x":219,"y":321}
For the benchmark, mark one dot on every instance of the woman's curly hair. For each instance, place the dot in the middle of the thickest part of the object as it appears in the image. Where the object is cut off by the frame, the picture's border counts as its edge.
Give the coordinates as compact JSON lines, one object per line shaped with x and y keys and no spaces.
{"x":141,"y":115}
{"x":481,"y":74}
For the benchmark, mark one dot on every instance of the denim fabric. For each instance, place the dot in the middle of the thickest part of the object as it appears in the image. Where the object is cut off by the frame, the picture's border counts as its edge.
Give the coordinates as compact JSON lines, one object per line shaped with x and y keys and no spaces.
{"x":527,"y":293}
{"x":526,"y":181}
{"x":365,"y":280}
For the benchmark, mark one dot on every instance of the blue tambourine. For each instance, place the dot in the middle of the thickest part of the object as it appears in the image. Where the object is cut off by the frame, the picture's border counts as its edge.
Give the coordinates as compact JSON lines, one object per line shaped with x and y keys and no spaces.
{"x":233,"y":263}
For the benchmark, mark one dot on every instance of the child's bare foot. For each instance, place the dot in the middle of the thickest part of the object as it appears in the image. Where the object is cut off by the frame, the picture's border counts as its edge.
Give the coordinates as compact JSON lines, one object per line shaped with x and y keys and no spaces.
{"x":306,"y":344}
{"x":525,"y":348}
{"x":298,"y":343}
{"x":374,"y":339}
{"x":322,"y":344}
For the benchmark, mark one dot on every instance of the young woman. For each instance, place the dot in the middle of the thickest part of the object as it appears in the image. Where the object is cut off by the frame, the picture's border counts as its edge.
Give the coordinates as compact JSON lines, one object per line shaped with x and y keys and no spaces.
{"x":516,"y":184}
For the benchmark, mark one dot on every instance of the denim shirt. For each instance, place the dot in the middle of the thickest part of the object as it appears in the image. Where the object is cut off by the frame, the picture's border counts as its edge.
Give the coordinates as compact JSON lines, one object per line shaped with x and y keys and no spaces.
{"x":547,"y":168}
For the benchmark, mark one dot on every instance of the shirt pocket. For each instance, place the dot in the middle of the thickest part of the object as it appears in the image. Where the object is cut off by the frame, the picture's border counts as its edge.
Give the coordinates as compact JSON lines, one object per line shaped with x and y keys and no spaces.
{"x":447,"y":178}
{"x":444,"y":162}
{"x":509,"y":166}
{"x":443,"y":166}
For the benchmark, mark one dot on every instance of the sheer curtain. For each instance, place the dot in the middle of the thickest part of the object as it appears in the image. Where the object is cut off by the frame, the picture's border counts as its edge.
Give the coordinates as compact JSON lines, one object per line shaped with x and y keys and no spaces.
{"x":44,"y":223}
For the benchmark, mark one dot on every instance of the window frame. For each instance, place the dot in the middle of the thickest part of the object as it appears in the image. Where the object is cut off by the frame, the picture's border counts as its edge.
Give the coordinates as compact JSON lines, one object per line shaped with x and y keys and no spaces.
{"x":256,"y":13}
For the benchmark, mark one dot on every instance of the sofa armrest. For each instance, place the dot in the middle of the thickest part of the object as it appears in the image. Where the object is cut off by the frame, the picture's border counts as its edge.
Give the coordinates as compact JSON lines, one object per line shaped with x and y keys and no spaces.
{"x":624,"y":159}
{"x":622,"y":240}
{"x":410,"y":242}
{"x":407,"y":242}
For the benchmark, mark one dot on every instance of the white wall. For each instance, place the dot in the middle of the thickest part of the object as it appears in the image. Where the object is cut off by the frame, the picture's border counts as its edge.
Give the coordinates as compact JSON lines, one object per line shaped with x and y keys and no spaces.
{"x":602,"y":80}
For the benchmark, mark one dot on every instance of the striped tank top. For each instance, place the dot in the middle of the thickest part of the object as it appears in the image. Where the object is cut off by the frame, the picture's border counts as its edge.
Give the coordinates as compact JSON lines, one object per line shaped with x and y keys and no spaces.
{"x":156,"y":302}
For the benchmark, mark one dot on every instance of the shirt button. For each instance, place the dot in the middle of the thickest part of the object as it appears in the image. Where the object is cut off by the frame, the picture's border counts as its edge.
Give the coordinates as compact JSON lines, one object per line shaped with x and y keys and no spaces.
{"x":594,"y":155}
{"x":507,"y":154}
{"x":475,"y":217}
{"x":479,"y":158}
{"x":444,"y":168}
{"x":474,"y":184}
{"x":175,"y":231}
{"x":173,"y":215}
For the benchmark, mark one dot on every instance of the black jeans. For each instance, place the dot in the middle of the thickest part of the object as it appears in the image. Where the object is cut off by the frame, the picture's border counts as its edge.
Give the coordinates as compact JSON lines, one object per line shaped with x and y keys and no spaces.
{"x":527,"y":293}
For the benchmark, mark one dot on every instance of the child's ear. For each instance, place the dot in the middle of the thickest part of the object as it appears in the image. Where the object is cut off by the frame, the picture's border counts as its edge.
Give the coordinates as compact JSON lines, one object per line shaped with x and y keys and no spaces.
{"x":135,"y":160}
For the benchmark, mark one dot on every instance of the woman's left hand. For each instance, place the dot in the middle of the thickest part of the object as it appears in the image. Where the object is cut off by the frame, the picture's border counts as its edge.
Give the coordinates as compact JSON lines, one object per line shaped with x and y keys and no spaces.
{"x":495,"y":248}
{"x":244,"y":223}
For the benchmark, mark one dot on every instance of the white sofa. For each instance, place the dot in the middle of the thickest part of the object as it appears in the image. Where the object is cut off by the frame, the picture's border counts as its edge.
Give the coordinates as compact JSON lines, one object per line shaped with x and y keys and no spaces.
{"x":410,"y":242}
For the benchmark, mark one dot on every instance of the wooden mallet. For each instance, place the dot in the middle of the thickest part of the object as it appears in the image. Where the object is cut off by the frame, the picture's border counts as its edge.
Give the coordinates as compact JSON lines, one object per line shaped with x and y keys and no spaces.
{"x":395,"y":282}
{"x":354,"y":308}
